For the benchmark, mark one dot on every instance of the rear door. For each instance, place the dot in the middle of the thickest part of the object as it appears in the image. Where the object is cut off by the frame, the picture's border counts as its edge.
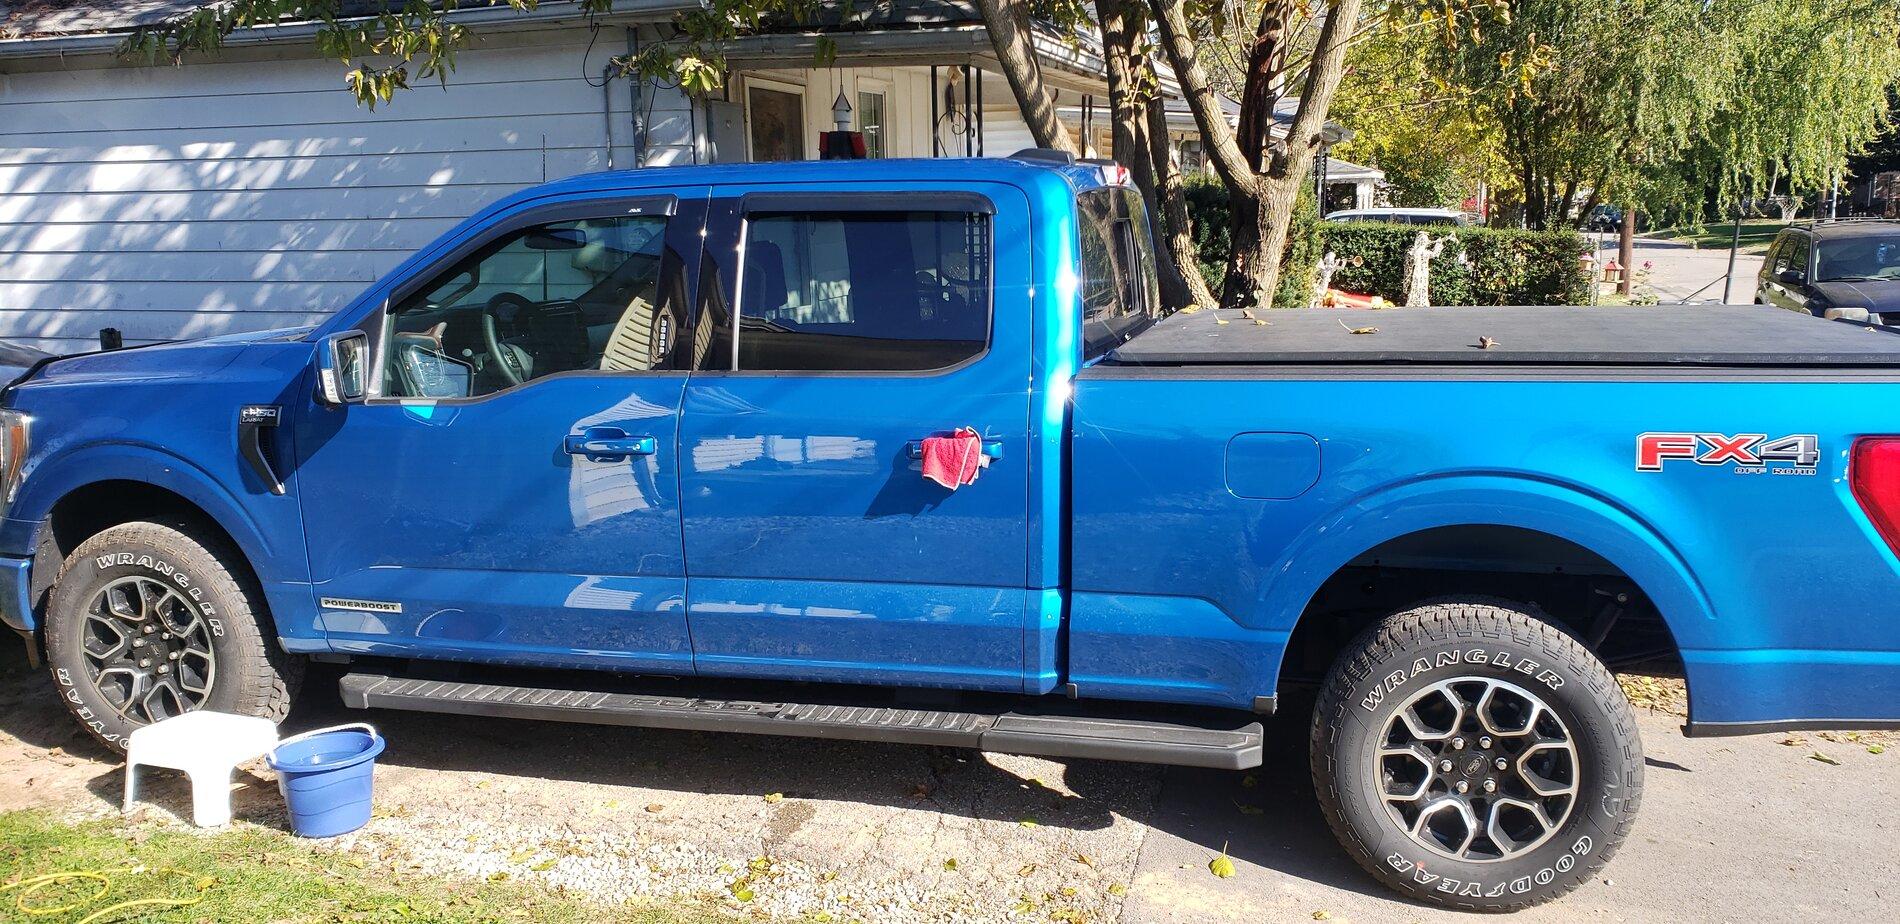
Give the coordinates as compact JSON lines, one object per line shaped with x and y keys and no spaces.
{"x":868,"y":320}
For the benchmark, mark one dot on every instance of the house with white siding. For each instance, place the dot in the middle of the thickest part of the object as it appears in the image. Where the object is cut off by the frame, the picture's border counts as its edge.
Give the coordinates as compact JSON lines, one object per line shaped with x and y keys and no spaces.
{"x":248,"y":190}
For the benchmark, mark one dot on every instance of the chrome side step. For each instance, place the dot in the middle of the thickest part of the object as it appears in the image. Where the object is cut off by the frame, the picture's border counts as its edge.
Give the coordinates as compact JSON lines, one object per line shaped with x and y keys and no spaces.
{"x":1233,"y":748}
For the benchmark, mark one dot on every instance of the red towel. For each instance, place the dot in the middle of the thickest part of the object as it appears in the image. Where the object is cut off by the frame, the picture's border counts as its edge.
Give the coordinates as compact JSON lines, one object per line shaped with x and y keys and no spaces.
{"x":954,"y":460}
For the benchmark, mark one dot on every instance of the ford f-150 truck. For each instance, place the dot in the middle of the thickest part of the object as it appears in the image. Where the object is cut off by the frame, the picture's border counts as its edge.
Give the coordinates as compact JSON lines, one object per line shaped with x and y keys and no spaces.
{"x":648,"y":448}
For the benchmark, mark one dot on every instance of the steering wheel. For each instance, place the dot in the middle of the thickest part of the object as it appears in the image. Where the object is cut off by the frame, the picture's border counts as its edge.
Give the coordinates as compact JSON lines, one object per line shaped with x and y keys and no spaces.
{"x":504,"y":357}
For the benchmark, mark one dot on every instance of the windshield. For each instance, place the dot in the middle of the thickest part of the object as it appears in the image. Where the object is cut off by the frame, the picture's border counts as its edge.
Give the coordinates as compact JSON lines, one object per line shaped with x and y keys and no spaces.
{"x":1859,"y":258}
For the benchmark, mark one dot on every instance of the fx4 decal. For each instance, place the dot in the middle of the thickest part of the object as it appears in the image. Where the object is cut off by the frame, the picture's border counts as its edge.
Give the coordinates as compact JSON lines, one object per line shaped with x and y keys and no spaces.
{"x":1747,"y":452}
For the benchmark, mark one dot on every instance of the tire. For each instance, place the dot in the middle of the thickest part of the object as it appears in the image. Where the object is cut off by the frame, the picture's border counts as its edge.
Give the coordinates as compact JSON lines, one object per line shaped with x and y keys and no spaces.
{"x":1438,"y":663}
{"x":155,"y":592}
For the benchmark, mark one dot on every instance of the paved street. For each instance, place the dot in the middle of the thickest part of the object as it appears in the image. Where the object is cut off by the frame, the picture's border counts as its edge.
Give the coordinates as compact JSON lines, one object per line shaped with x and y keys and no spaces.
{"x":1679,"y":272}
{"x":1732,"y":829}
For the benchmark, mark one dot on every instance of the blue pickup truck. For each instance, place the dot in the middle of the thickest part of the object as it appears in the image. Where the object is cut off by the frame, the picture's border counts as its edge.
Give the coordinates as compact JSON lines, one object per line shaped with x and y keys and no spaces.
{"x":646,"y":448}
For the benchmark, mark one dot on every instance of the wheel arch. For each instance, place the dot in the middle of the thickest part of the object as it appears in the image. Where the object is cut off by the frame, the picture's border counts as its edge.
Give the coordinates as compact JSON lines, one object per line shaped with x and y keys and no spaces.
{"x":1447,"y":515}
{"x":94,"y":489}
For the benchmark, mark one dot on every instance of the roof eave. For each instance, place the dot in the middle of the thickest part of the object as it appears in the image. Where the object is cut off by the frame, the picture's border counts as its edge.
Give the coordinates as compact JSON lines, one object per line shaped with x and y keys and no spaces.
{"x":494,"y":19}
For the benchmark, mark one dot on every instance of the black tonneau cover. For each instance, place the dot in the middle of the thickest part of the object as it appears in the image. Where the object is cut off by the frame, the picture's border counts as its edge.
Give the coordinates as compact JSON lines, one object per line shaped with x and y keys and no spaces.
{"x":1709,"y":335}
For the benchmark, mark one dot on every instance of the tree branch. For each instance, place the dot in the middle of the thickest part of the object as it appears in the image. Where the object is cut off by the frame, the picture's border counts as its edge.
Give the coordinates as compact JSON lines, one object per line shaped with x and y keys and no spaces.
{"x":1217,"y":137}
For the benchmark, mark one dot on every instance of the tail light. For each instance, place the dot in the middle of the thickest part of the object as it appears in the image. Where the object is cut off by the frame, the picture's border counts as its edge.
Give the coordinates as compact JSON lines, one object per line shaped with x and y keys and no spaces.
{"x":1874,"y":475}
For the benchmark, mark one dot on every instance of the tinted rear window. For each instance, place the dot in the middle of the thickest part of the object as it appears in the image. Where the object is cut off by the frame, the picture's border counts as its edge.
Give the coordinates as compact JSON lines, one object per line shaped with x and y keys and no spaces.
{"x":1120,"y":293}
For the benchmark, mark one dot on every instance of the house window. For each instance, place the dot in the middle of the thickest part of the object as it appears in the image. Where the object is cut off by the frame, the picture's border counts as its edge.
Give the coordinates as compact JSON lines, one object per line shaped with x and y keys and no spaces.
{"x":871,"y":122}
{"x":778,"y":124}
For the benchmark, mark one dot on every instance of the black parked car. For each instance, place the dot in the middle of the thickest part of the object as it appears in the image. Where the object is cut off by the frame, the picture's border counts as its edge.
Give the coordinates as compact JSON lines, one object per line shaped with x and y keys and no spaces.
{"x":1850,"y":263}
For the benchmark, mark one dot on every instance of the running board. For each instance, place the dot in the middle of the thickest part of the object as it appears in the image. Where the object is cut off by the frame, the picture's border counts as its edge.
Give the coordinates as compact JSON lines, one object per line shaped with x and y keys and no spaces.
{"x":1236,"y":748}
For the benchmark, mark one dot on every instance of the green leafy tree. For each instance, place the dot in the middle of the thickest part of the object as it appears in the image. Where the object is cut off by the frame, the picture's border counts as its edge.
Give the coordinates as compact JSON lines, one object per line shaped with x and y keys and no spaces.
{"x":1661,"y":102}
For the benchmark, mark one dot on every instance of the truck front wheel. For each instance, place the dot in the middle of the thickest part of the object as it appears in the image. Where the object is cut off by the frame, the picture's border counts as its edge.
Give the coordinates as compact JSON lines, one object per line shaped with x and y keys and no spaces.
{"x":147,"y":621}
{"x":1473,"y":755}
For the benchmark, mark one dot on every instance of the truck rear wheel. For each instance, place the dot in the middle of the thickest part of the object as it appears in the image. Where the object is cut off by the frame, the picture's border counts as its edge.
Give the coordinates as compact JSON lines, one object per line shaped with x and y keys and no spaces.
{"x":147,"y":622}
{"x":1473,"y":755}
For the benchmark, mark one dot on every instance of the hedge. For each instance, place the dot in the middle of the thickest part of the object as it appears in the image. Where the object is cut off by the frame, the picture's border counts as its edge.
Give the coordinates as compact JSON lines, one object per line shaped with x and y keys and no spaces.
{"x":1207,"y":209}
{"x":1504,"y":267}
{"x":1501,"y":266}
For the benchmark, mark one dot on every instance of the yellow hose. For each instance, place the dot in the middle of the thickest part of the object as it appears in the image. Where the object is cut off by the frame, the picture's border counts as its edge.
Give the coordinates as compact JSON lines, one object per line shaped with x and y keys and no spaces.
{"x":33,"y":884}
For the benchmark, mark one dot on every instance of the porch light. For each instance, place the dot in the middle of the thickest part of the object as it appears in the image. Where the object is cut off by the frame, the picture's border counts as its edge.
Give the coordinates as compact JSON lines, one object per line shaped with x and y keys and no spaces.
{"x":841,"y":112}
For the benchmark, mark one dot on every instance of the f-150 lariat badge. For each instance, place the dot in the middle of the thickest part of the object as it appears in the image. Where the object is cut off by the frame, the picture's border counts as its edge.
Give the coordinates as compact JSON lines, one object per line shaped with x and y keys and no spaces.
{"x":1746,"y":453}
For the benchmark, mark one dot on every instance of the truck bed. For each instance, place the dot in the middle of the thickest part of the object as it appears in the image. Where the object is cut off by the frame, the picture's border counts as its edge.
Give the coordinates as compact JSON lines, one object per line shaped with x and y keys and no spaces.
{"x":1673,"y":335}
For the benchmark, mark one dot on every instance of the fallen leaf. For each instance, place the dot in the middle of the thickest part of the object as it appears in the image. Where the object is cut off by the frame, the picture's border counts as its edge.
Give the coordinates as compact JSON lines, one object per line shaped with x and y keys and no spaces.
{"x":545,"y":865}
{"x":1485,"y":343}
{"x":655,"y":807}
{"x":521,"y":856}
{"x":484,"y":784}
{"x":1246,"y":809}
{"x":1322,"y":915}
{"x":1248,"y":781}
{"x":1028,"y":822}
{"x":773,"y":798}
{"x":1221,"y":321}
{"x":920,"y":791}
{"x":1085,"y":860}
{"x":1876,"y":749}
{"x":497,"y":876}
{"x":1117,"y":889}
{"x":1027,"y":869}
{"x":1069,"y":891}
{"x":761,"y":864}
{"x":1823,"y":758}
{"x":1356,"y":330}
{"x":1221,"y":866}
{"x":828,"y":876}
{"x":950,"y":865}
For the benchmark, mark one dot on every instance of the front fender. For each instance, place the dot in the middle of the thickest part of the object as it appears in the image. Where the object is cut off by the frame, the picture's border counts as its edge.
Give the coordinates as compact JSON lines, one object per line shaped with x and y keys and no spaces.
{"x":60,"y":473}
{"x":1488,"y":499}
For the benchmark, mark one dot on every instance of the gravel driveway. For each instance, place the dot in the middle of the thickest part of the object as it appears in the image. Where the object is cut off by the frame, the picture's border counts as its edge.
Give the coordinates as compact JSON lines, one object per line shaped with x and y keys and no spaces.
{"x":807,"y":829}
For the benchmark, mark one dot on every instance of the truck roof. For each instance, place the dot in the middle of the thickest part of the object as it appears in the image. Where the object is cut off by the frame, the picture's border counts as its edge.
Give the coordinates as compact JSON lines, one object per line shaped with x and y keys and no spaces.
{"x":1705,"y":335}
{"x":1011,"y":170}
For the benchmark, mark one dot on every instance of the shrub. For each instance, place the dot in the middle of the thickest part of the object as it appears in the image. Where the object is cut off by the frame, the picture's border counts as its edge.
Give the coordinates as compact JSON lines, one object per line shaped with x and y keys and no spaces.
{"x":1500,"y":267}
{"x":1208,"y":209}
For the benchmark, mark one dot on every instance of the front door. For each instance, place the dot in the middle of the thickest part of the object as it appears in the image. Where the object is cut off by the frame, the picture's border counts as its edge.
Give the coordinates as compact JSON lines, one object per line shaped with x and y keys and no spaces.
{"x":509,"y":490}
{"x":868,"y":321}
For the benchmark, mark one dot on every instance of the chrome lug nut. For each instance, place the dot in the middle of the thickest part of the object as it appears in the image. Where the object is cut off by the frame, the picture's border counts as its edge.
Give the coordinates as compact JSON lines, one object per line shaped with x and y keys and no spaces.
{"x":1458,"y":744}
{"x":1463,"y":787}
{"x":149,"y":629}
{"x":164,"y":668}
{"x":172,"y":655}
{"x":138,"y":643}
{"x":1489,"y":785}
{"x":1503,"y":764}
{"x":145,"y":662}
{"x":1444,"y":766}
{"x":1484,"y":742}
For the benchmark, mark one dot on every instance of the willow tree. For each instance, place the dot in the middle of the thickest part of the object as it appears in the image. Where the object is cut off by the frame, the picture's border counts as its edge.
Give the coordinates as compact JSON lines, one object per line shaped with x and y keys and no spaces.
{"x":1659,"y":102}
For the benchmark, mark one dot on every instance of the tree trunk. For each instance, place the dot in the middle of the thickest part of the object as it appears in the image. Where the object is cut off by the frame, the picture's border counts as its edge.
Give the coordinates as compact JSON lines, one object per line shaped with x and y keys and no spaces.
{"x":1173,"y":203}
{"x":1279,"y":187}
{"x":1007,"y":22}
{"x":1262,"y":90}
{"x":1121,"y":21}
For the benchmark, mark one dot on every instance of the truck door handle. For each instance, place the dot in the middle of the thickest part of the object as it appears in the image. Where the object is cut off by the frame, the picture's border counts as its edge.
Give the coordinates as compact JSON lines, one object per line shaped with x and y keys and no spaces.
{"x":991,"y":448}
{"x":608,"y":444}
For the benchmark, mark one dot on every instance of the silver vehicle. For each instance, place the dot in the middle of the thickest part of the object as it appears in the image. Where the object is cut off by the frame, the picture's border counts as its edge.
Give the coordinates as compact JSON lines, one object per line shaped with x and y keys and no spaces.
{"x":1403,"y":216}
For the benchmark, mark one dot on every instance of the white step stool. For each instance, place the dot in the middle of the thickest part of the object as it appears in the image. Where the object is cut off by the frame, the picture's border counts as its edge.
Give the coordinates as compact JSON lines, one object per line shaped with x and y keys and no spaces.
{"x":207,"y":746}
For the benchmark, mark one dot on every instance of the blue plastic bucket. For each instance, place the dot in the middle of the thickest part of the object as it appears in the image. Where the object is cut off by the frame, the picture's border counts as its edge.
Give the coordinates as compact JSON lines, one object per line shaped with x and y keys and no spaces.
{"x":326,"y":776}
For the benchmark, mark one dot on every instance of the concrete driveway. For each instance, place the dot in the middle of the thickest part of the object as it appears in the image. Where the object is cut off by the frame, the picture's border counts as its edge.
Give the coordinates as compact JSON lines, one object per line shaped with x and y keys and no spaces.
{"x":1732,"y":829}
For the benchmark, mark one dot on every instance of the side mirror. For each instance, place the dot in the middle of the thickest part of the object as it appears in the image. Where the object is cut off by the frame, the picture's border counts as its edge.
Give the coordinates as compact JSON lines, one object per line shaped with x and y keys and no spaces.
{"x":343,"y":368}
{"x":1791,"y":277}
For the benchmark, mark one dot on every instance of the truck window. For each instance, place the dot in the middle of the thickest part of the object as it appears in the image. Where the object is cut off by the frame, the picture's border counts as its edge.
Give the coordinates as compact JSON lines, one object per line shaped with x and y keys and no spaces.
{"x":1120,"y":294}
{"x":561,"y":297}
{"x":862,"y":291}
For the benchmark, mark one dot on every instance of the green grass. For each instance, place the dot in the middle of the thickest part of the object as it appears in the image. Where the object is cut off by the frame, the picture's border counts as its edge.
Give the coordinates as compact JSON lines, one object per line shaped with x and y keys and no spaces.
{"x":254,"y":874}
{"x":1757,"y":234}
